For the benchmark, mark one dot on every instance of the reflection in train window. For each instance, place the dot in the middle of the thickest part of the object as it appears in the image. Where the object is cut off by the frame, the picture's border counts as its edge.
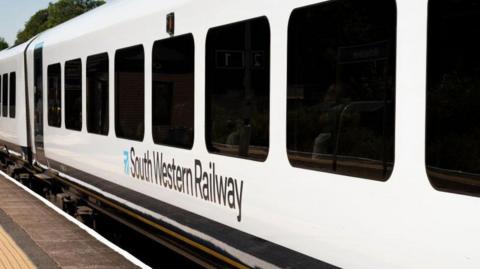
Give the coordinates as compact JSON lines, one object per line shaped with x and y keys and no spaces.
{"x":129,"y":93}
{"x":341,"y":92}
{"x":73,"y":94}
{"x":54,"y":95}
{"x":453,"y":96}
{"x":12,"y":97}
{"x":238,"y":88}
{"x":172,"y":91}
{"x":97,"y":94}
{"x":5,"y":96}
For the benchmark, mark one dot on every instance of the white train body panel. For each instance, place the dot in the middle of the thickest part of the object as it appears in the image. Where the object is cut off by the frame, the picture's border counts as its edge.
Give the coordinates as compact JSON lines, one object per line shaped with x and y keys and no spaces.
{"x":13,"y":130}
{"x":348,"y":222}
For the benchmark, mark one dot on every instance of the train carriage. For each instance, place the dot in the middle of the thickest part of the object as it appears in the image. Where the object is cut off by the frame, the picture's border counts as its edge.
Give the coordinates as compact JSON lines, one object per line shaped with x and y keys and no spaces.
{"x":13,"y":124}
{"x":267,"y":134}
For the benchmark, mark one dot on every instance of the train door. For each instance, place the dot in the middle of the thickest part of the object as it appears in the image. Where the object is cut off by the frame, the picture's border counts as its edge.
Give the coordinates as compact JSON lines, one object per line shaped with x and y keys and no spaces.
{"x":38,"y":103}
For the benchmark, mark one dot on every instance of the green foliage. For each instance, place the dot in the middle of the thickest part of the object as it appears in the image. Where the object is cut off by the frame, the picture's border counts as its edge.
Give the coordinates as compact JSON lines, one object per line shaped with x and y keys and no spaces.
{"x":3,"y":44}
{"x":55,"y":14}
{"x":36,"y":24}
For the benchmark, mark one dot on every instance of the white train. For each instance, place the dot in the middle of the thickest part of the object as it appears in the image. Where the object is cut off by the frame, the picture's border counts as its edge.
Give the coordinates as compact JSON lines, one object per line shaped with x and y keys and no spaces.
{"x":290,"y":134}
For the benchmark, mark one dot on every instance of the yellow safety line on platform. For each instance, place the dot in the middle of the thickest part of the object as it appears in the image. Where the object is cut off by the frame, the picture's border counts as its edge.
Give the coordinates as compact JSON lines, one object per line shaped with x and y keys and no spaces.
{"x":11,"y":256}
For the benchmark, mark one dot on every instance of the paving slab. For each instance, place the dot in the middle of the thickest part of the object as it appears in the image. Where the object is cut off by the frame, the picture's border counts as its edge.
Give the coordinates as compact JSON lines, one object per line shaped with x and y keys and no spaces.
{"x":47,"y":238}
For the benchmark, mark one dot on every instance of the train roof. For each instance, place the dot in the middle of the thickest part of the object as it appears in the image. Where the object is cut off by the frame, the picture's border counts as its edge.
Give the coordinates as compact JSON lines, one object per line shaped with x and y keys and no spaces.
{"x":107,"y":16}
{"x":13,"y":51}
{"x":103,"y":17}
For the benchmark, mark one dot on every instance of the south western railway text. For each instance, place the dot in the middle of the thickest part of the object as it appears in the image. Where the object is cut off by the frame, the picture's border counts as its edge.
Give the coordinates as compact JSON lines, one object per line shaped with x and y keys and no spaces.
{"x":200,"y":182}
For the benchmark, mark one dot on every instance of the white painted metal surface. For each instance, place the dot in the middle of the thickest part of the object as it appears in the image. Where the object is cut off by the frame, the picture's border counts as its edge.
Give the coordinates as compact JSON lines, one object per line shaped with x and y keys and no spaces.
{"x":345,"y":221}
{"x":14,"y":130}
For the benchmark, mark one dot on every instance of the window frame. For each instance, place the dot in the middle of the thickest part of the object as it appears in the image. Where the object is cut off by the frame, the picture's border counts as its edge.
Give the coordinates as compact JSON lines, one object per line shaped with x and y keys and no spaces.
{"x":1,"y":91}
{"x":12,"y":86}
{"x":116,"y":93}
{"x":66,"y":109}
{"x":171,"y":39}
{"x":388,"y":171}
{"x":435,"y":174}
{"x":208,"y":118}
{"x":87,"y":94}
{"x":49,"y":119}
{"x":5,"y":89}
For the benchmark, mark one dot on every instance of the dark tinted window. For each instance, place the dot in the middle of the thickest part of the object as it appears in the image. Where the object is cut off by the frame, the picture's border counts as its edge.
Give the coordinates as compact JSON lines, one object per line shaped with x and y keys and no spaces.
{"x":453,"y":96}
{"x":54,"y":95}
{"x":5,"y":96}
{"x":238,"y":88}
{"x":97,"y":94}
{"x":173,"y":83}
{"x":341,"y":74}
{"x":13,"y":90}
{"x":129,"y":93}
{"x":38,"y":99}
{"x":1,"y":87}
{"x":73,"y":95}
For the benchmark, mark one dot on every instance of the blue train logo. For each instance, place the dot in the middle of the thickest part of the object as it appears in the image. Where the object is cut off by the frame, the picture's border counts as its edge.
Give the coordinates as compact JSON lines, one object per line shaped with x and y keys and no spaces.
{"x":126,"y":163}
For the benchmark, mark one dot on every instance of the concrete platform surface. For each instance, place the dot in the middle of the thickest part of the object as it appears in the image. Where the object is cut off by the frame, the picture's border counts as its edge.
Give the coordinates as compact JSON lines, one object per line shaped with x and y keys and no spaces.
{"x":33,"y":235}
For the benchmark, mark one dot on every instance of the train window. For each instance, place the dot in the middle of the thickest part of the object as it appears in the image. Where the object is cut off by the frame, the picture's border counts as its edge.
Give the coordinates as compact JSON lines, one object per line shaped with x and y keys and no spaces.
{"x":54,"y":95}
{"x":238,"y":88}
{"x":173,"y":91}
{"x":341,"y":87}
{"x":5,"y":96}
{"x":13,"y":89}
{"x":97,"y":94}
{"x":1,"y":87}
{"x":73,"y":94}
{"x":130,"y":92}
{"x":453,"y":123}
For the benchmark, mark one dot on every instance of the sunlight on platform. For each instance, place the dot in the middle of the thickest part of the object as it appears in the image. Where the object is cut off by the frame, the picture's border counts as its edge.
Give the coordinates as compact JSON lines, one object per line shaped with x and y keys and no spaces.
{"x":11,"y":256}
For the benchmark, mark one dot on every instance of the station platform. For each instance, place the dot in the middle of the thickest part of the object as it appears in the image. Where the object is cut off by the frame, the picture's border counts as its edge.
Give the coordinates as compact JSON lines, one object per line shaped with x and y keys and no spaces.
{"x":33,"y":235}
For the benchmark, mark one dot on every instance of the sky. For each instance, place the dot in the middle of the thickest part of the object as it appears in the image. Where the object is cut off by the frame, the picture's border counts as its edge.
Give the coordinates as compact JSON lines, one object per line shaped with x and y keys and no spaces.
{"x":15,"y":14}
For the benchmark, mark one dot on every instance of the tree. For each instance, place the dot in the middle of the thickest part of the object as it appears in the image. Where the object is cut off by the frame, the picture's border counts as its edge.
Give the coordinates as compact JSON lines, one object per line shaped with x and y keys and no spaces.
{"x":35,"y":25}
{"x":55,"y":14}
{"x":3,"y":44}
